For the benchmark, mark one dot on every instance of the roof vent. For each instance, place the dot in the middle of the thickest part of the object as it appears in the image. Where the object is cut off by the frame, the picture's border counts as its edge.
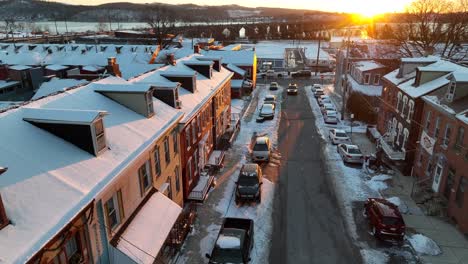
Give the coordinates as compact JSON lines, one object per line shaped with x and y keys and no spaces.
{"x":137,"y":97}
{"x":82,"y":128}
{"x":187,"y":79}
{"x":203,"y":67}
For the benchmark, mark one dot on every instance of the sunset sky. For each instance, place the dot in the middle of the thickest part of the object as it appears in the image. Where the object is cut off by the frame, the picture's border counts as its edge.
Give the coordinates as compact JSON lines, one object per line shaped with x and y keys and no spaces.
{"x":367,"y":7}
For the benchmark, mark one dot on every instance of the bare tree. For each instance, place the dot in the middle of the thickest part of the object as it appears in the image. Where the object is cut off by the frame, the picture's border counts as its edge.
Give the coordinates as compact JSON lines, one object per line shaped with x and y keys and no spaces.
{"x":10,"y":24}
{"x":432,"y":26}
{"x":161,"y":22}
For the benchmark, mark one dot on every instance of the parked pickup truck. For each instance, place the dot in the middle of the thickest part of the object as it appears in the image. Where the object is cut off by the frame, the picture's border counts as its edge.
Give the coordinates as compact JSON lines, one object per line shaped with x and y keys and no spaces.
{"x":234,"y":243}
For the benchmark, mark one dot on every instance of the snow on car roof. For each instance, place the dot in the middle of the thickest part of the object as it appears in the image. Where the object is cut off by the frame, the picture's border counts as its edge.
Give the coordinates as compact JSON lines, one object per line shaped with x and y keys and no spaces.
{"x":262,"y":140}
{"x":228,"y":242}
{"x":339,"y":131}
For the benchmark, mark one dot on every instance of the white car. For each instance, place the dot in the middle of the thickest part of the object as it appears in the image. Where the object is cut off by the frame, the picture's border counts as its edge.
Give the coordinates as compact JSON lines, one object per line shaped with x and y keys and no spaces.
{"x":325,"y":101}
{"x":338,"y":136}
{"x":331,"y":117}
{"x":261,"y":149}
{"x":323,"y":98}
{"x":267,"y":111}
{"x":318,"y":93}
{"x":328,"y":107}
{"x":270,"y":99}
{"x":274,"y":86}
{"x":350,"y":153}
{"x":316,"y":86}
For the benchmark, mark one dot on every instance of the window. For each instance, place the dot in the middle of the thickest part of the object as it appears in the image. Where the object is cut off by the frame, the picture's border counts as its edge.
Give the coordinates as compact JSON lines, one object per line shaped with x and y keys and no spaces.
{"x":410,"y":111}
{"x":451,"y":91}
{"x":367,"y":78}
{"x":398,"y":102}
{"x":429,"y":167}
{"x":169,"y":189}
{"x":149,"y":101}
{"x":144,"y":175}
{"x":190,"y":171}
{"x":438,"y":172}
{"x":460,"y":195}
{"x":428,"y":121}
{"x":376,"y":79}
{"x":460,"y":138}
{"x":114,"y":210}
{"x":175,"y":141}
{"x":436,"y":127}
{"x":449,"y":183}
{"x":400,"y":133}
{"x":448,"y":130}
{"x":188,"y":142}
{"x":405,"y":138}
{"x":195,"y":161}
{"x":71,"y":246}
{"x":157,"y":161}
{"x":199,"y":125}
{"x":167,"y":152}
{"x":194,"y":131}
{"x":420,"y":159}
{"x":405,"y":101}
{"x":177,"y":178}
{"x":100,"y":136}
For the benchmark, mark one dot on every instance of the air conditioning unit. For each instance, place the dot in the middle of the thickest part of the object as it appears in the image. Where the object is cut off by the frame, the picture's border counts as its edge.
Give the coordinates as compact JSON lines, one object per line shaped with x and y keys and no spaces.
{"x":178,"y":104}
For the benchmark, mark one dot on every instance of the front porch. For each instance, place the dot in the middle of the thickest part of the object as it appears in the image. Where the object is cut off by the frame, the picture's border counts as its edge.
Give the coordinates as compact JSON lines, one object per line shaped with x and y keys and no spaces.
{"x":392,"y":153}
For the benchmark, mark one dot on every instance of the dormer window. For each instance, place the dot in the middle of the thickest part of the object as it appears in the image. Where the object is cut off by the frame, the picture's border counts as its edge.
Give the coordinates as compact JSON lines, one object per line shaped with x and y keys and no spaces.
{"x":367,"y":78}
{"x":451,"y":91}
{"x":149,"y":102}
{"x":99,"y":135}
{"x":137,"y":97}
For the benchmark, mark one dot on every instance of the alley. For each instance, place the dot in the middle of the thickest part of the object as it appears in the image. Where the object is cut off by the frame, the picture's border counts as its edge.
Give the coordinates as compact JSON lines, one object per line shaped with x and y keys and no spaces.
{"x":307,"y":224}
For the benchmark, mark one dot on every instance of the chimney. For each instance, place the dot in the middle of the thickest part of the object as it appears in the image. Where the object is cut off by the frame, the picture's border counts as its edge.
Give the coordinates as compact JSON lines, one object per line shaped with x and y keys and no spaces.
{"x":3,"y":217}
{"x":170,"y":59}
{"x":112,"y":67}
{"x":196,"y":49}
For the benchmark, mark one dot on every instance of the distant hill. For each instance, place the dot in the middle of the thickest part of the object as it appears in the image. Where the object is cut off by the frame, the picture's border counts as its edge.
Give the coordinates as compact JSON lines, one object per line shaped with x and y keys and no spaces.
{"x":36,"y":10}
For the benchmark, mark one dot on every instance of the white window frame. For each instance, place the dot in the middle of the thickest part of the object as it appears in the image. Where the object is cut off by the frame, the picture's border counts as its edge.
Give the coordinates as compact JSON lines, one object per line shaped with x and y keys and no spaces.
{"x":410,"y":111}
{"x":451,"y":91}
{"x":438,"y":171}
{"x":367,"y":78}
{"x":376,"y":77}
{"x":436,"y":127}
{"x":446,"y":139}
{"x":403,"y":105}
{"x":400,"y":131}
{"x":399,"y":96}
{"x":189,"y":170}
{"x":194,"y":131}
{"x":405,"y":138}
{"x":188,"y":140}
{"x":147,"y":175}
{"x":116,"y":205}
{"x":427,"y":125}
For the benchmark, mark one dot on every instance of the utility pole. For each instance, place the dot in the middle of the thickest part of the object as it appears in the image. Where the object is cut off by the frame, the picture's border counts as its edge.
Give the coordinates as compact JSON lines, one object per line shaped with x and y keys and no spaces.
{"x":318,"y":53}
{"x":345,"y":88}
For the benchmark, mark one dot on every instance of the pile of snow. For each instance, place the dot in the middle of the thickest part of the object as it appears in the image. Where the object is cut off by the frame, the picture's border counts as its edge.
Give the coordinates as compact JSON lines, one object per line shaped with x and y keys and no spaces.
{"x":372,"y":256}
{"x":398,"y":202}
{"x":424,"y":245}
{"x":377,"y":183}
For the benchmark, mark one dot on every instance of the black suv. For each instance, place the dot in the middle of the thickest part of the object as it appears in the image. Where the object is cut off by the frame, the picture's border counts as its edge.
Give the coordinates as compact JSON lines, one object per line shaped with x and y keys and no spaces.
{"x":248,"y":186}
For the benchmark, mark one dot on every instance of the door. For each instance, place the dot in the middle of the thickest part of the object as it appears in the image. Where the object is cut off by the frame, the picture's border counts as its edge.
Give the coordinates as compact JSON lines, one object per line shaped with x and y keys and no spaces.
{"x":437,"y":175}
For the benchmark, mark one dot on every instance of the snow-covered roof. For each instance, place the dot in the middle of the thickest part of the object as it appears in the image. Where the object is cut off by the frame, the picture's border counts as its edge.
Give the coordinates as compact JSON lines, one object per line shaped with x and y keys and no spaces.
{"x":147,"y":232}
{"x":463,"y":116}
{"x":92,"y":68}
{"x":394,"y":78}
{"x":191,"y":102}
{"x":122,"y":88}
{"x":239,"y":57}
{"x":237,"y":83}
{"x":236,"y":69}
{"x":276,"y":49}
{"x":460,"y":76}
{"x":371,"y":90}
{"x":424,"y":88}
{"x":7,"y":104}
{"x":368,"y":65}
{"x":18,"y":67}
{"x":56,"y":67}
{"x":56,"y":85}
{"x":420,"y":59}
{"x":5,"y":84}
{"x":61,"y":115}
{"x":49,"y":181}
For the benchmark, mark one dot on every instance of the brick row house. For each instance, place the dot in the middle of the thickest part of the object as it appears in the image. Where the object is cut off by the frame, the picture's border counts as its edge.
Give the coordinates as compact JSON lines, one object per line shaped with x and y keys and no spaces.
{"x":202,"y":92}
{"x":103,"y":181}
{"x":442,"y":157}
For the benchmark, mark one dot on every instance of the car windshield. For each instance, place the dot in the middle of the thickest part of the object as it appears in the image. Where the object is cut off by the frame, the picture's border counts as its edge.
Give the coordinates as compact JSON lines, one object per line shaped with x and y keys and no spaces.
{"x":260,"y":147}
{"x":391,"y":221}
{"x":248,"y":181}
{"x":354,"y":151}
{"x":341,"y":134}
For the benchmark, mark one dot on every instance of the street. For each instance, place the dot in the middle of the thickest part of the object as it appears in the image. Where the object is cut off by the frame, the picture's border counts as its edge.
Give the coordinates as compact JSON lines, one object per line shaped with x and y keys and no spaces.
{"x":307,"y":224}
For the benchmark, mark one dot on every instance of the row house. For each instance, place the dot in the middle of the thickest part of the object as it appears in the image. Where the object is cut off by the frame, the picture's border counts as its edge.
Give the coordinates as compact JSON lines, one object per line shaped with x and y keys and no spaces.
{"x":94,"y":176}
{"x":364,"y":89}
{"x":442,"y":156}
{"x":402,"y":105}
{"x":200,"y":88}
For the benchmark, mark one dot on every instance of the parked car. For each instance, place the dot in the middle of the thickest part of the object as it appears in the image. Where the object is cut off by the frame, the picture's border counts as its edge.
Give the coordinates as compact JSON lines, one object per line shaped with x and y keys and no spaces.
{"x":385,"y":220}
{"x":338,"y":136}
{"x":292,"y":88}
{"x":316,"y":86}
{"x":234,"y":242}
{"x":274,"y":86}
{"x":327,"y":107}
{"x":324,"y":98}
{"x":247,"y":84}
{"x":270,"y":99}
{"x":301,"y":73}
{"x":261,"y":149}
{"x":273,"y":74}
{"x":267,"y":111}
{"x":331,"y":117}
{"x":249,"y":184}
{"x":350,"y":153}
{"x":318,"y":93}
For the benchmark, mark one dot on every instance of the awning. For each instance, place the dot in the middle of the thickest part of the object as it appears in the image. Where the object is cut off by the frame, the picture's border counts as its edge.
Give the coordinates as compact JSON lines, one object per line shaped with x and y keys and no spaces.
{"x":146,"y":234}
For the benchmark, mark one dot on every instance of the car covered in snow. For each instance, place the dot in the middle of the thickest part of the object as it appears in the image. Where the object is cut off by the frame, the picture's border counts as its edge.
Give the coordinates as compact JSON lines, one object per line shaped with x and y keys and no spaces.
{"x":292,"y":88}
{"x":274,"y":86}
{"x":234,"y":243}
{"x":316,"y":86}
{"x":338,"y":136}
{"x":327,"y":107}
{"x":267,"y":111}
{"x":301,"y":73}
{"x":330,"y":117}
{"x":270,"y":99}
{"x":318,"y":93}
{"x":350,"y":153}
{"x":261,"y":149}
{"x":324,"y":99}
{"x":249,"y":184}
{"x":385,"y":220}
